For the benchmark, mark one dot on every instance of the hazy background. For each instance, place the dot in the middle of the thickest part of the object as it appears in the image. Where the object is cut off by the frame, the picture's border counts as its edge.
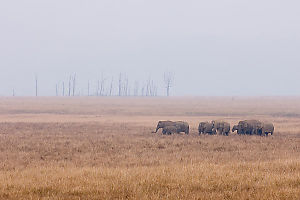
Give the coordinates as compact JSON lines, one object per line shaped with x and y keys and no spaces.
{"x":216,"y":47}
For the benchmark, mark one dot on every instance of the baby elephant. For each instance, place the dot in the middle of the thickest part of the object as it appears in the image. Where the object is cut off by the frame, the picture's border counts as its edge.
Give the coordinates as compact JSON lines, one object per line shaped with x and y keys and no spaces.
{"x":170,"y":130}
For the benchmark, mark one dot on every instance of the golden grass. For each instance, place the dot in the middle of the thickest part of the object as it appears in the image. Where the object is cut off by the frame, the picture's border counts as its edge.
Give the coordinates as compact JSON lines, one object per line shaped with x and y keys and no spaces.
{"x":103,"y":148}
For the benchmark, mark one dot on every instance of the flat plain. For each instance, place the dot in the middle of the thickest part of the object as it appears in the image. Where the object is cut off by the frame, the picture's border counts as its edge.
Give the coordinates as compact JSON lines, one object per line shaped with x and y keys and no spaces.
{"x":104,"y":148}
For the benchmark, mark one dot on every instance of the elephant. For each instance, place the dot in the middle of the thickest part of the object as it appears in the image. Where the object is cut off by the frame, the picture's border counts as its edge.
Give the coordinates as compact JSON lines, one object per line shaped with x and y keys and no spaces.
{"x":206,"y":128}
{"x":266,"y":128}
{"x":240,"y":128}
{"x":252,"y":127}
{"x":181,"y":126}
{"x":170,"y":130}
{"x":162,"y":124}
{"x":221,"y":127}
{"x":201,"y":127}
{"x":248,"y":127}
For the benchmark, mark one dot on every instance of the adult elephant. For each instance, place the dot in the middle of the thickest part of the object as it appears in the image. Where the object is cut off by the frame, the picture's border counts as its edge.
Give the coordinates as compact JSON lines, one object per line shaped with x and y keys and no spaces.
{"x":240,"y":128}
{"x":206,"y":128}
{"x":221,"y":127}
{"x":248,"y":127}
{"x":252,"y":127}
{"x":266,"y":128}
{"x":181,"y":126}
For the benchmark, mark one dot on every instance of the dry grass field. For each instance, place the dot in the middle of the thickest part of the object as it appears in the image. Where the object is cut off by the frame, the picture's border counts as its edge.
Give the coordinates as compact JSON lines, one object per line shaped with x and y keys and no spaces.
{"x":103,"y":148}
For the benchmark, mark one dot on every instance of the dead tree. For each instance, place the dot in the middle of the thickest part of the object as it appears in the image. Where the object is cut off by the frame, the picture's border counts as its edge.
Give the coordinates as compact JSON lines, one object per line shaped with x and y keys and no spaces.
{"x":97,"y":88}
{"x":70,"y":85}
{"x":168,"y":81}
{"x":126,"y":87}
{"x":151,"y":88}
{"x":36,"y":85}
{"x":63,"y":88}
{"x":136,"y":88}
{"x":147,"y":88}
{"x":56,"y":89}
{"x":120,"y":84}
{"x":111,"y":86}
{"x":143,"y":90}
{"x":101,"y":86}
{"x":74,"y":84}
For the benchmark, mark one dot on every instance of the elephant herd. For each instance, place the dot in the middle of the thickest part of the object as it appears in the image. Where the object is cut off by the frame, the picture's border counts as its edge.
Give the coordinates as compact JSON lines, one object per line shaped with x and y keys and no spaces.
{"x":245,"y":127}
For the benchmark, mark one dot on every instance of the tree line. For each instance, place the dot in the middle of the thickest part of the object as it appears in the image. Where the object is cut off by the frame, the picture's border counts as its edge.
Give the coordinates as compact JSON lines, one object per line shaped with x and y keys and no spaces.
{"x":110,"y":86}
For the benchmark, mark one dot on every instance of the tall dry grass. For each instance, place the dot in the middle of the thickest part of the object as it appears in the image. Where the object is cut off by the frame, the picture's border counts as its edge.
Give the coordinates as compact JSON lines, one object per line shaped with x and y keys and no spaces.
{"x":103,"y":148}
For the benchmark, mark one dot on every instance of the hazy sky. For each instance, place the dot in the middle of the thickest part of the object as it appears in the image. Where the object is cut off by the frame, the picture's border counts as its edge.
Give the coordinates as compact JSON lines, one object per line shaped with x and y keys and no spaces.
{"x":215,"y":47}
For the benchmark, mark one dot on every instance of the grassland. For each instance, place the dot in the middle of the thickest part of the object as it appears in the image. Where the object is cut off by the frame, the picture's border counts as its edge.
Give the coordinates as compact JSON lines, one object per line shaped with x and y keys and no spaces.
{"x":103,"y":148}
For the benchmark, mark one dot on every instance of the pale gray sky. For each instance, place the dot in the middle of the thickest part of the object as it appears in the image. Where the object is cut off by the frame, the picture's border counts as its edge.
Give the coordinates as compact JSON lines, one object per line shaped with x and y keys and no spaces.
{"x":215,"y":47}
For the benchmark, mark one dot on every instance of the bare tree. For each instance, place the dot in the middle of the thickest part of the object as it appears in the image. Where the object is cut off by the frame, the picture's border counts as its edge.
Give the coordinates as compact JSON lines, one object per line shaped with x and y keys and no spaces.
{"x":70,"y":85}
{"x":168,"y":81}
{"x":98,"y":88}
{"x":151,"y":88}
{"x":63,"y":88}
{"x":111,"y":86}
{"x":136,"y":88}
{"x":56,"y":89}
{"x":120,"y":84}
{"x":74,"y":84}
{"x":101,"y":85}
{"x":36,"y":85}
{"x":147,"y":88}
{"x":126,"y":87}
{"x":143,"y":90}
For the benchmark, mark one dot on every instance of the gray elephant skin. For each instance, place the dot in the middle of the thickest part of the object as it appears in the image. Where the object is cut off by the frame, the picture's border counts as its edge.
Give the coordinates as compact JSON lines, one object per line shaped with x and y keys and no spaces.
{"x":181,"y":126}
{"x":221,"y":127}
{"x":247,"y":127}
{"x":206,"y":128}
{"x":253,"y":127}
{"x":265,"y":129}
{"x":170,"y":130}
